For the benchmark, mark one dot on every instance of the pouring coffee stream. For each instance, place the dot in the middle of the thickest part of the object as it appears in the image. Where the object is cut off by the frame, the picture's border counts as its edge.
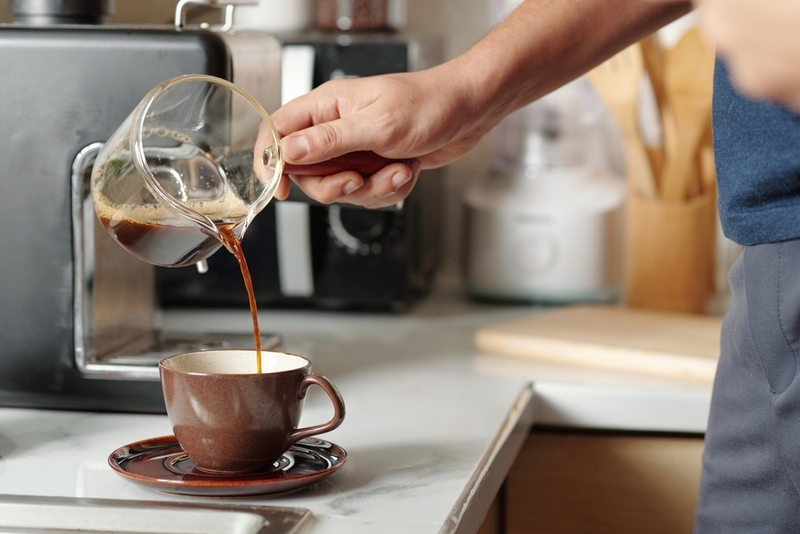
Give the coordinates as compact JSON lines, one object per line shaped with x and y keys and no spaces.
{"x":233,"y":244}
{"x":365,"y":163}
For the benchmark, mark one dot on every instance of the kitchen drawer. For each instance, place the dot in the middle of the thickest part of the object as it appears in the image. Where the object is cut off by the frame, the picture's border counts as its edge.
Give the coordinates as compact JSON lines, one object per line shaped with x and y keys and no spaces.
{"x":578,"y":482}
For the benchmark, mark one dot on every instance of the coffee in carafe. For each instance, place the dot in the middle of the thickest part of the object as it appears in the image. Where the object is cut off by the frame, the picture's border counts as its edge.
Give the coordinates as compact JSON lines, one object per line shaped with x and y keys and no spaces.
{"x":156,"y":234}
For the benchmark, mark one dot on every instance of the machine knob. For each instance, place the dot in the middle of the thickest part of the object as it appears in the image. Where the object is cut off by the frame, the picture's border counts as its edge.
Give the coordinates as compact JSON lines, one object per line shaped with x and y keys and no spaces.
{"x":359,"y":231}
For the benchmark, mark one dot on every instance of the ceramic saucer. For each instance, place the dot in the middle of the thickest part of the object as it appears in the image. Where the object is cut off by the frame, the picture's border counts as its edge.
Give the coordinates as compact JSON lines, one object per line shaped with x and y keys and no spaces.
{"x":161,"y":464}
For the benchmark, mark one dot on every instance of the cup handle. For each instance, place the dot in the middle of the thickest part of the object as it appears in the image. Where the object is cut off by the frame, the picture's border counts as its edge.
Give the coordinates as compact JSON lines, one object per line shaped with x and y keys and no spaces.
{"x":338,"y":408}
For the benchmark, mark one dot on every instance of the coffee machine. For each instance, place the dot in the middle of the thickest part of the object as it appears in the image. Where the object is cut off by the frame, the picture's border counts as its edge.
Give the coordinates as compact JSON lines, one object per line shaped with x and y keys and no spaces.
{"x":342,"y":257}
{"x":78,"y":322}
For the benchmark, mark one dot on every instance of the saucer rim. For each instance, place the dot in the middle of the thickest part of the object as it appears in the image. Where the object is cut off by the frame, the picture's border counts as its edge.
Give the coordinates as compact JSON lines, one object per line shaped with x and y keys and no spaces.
{"x":208,"y":482}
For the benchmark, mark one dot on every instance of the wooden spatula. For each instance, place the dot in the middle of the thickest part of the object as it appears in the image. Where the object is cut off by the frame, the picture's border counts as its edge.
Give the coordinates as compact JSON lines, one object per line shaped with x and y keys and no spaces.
{"x":618,"y":81}
{"x":688,"y":81}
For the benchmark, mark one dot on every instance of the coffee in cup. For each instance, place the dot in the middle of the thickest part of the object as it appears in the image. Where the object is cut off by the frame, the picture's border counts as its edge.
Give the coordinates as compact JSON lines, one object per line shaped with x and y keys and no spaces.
{"x":229,"y":418}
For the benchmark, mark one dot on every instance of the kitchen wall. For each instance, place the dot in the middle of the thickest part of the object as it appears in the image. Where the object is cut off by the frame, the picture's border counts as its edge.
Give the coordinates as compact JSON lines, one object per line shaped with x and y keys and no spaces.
{"x":459,"y":24}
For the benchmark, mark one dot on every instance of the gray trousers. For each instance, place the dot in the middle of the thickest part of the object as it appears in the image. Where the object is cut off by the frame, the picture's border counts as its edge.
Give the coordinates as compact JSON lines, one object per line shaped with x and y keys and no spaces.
{"x":751,"y":463}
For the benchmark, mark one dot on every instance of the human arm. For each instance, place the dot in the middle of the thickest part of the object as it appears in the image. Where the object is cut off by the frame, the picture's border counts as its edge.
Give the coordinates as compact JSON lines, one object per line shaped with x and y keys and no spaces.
{"x":439,"y":114}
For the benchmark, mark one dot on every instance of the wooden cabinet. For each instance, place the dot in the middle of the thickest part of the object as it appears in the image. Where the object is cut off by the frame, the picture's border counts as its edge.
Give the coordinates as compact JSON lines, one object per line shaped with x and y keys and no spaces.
{"x":580,"y":482}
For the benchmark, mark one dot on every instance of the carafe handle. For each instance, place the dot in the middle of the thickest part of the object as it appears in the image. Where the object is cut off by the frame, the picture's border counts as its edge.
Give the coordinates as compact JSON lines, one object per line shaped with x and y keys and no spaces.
{"x":365,"y":163}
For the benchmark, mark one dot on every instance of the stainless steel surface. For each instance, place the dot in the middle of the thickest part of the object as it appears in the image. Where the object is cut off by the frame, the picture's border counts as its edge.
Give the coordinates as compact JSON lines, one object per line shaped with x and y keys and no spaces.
{"x":52,"y":515}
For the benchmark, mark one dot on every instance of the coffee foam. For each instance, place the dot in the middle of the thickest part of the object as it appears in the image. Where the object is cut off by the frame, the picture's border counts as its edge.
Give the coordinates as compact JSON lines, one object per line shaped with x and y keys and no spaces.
{"x":227,"y":207}
{"x":233,"y":362}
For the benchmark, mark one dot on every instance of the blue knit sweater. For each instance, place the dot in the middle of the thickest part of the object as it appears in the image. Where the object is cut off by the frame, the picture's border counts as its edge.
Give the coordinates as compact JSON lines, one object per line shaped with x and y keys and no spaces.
{"x":757,"y":148}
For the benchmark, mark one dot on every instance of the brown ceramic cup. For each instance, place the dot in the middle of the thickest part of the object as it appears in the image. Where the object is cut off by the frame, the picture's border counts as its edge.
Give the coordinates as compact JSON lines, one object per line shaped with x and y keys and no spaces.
{"x":228,"y":417}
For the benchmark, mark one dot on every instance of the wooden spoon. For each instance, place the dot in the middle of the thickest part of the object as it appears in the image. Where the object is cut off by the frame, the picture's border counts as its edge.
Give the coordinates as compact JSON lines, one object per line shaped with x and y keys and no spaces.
{"x":653,"y":54}
{"x":688,"y":81}
{"x":618,"y":82}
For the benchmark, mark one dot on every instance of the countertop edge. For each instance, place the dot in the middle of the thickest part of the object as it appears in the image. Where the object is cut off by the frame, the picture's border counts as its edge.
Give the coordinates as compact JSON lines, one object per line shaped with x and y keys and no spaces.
{"x":621,"y":408}
{"x":473,"y":503}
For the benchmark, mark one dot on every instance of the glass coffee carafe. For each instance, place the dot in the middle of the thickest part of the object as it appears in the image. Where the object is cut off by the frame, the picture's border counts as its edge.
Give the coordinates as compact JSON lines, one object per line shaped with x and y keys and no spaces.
{"x":196,"y":159}
{"x":198,"y":155}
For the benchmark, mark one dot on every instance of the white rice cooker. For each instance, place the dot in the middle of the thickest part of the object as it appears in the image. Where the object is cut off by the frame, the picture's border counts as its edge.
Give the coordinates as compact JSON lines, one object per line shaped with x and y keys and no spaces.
{"x":547,"y":226}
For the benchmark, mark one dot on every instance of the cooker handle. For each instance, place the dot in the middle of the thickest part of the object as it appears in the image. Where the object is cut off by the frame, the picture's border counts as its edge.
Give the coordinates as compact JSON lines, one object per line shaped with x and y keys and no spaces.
{"x":227,"y":5}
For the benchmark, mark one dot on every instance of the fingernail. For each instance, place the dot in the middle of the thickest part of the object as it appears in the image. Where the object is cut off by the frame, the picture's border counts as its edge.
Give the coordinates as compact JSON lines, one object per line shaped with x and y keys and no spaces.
{"x":399,"y":180}
{"x":295,"y":148}
{"x":349,"y":187}
{"x":415,"y":165}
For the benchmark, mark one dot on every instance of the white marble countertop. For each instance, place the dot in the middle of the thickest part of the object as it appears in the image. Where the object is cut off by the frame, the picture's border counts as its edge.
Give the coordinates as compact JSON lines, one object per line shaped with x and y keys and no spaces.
{"x":432,"y":427}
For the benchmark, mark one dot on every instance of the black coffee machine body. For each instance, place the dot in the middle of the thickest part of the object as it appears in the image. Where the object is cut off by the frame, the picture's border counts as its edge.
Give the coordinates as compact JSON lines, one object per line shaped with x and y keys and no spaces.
{"x":304,"y":254}
{"x":77,"y":324}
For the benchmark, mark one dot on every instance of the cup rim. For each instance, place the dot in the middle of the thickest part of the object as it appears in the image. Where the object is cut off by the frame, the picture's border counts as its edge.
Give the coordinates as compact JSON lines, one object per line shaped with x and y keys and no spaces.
{"x":163,"y":366}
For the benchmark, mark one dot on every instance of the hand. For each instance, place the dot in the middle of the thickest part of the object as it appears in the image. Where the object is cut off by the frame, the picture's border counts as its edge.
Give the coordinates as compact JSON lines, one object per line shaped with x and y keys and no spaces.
{"x":759,"y":41}
{"x":422,"y":116}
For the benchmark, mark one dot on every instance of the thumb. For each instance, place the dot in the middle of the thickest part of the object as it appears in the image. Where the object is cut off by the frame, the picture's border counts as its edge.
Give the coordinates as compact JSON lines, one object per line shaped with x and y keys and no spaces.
{"x":328,"y":140}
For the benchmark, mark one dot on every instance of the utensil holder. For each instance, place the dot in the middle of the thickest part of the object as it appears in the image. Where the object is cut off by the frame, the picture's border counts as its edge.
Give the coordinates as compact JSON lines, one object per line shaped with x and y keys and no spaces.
{"x":669,"y":253}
